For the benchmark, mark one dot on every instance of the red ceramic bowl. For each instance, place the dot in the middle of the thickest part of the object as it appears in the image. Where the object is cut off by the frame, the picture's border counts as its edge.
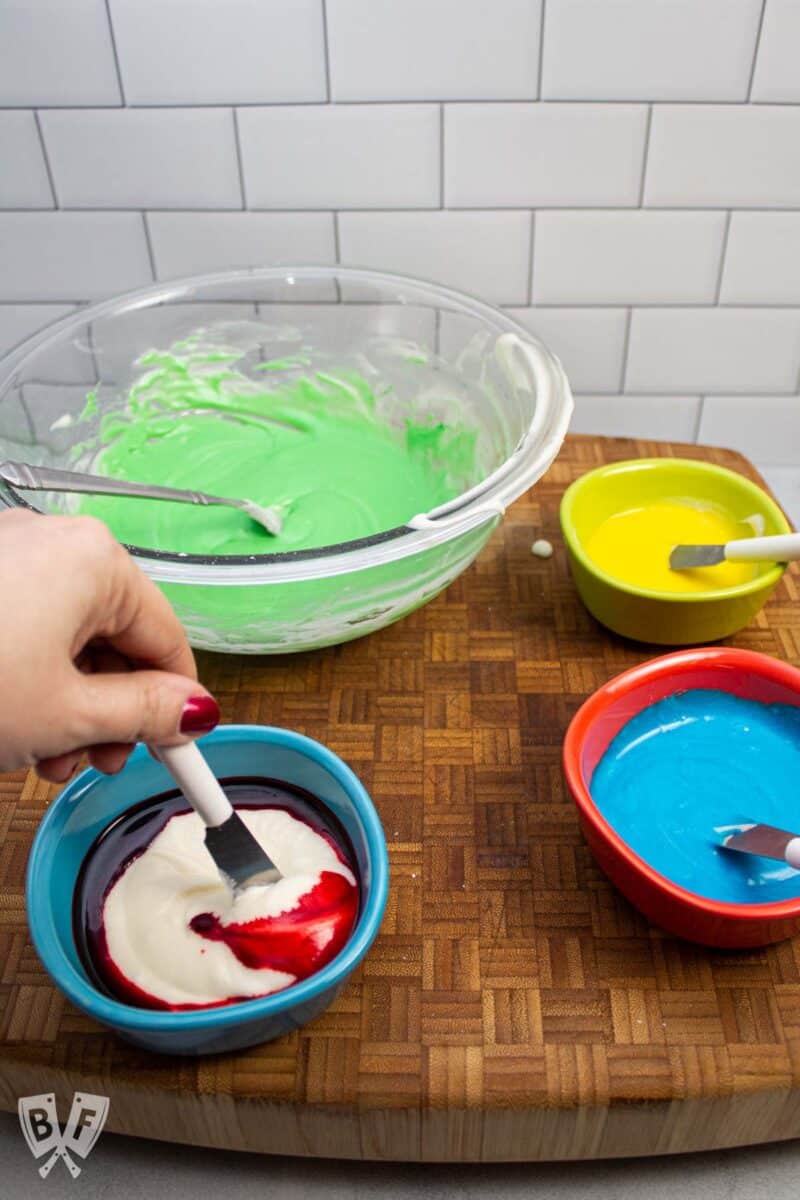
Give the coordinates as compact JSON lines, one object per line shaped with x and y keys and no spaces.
{"x":697,"y":918}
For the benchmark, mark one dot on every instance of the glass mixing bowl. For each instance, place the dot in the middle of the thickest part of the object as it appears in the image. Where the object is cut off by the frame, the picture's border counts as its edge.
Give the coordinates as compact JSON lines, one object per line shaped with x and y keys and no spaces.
{"x":429,"y":354}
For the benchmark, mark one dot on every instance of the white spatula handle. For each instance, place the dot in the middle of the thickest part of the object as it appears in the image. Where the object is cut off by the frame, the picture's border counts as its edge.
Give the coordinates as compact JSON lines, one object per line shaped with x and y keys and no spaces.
{"x":784,"y":547}
{"x":792,"y":853}
{"x":196,"y":780}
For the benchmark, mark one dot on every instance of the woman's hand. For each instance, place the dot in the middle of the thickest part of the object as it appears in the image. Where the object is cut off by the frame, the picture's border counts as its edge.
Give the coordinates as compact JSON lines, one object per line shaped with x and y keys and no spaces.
{"x":92,"y":657}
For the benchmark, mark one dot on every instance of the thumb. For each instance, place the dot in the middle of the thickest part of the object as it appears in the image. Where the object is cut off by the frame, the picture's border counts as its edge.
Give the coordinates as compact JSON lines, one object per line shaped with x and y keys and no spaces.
{"x":142,"y":706}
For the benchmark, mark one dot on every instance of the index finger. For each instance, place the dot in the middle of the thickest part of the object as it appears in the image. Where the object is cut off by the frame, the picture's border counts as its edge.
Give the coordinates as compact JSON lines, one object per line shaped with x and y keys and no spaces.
{"x":141,"y":623}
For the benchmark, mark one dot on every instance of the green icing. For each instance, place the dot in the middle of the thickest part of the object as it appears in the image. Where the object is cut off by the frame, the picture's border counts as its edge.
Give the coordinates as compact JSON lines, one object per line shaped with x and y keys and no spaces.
{"x":315,"y":447}
{"x":90,"y":408}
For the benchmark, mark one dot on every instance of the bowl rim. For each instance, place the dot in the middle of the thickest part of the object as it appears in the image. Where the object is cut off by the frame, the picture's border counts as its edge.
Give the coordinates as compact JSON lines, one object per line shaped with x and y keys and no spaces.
{"x":480,"y":504}
{"x":767,"y":579}
{"x":669,"y":665}
{"x":115,"y":1013}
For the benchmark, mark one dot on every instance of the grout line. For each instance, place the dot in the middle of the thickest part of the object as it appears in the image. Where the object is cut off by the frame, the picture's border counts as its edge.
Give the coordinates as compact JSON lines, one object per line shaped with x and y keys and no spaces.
{"x":46,"y":156}
{"x":699,"y":419}
{"x":689,"y":393}
{"x":326,"y":51}
{"x":530,"y":258}
{"x":540,"y":66}
{"x":567,"y":209}
{"x":629,"y":397}
{"x":338,"y":256}
{"x":149,"y":245}
{"x":756,"y":49}
{"x":511,"y":101}
{"x":646,"y":154}
{"x":625,"y":345}
{"x":116,"y":56}
{"x":336,"y":244}
{"x":441,"y":156}
{"x":239,"y":162}
{"x":723,"y":253}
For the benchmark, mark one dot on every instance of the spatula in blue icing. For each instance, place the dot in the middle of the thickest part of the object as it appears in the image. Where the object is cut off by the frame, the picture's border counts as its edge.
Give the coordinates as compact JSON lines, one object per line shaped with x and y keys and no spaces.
{"x":764,"y":840}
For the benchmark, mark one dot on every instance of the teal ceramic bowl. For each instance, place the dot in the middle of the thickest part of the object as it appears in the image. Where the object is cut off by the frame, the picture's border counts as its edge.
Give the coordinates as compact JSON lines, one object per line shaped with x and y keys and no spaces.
{"x":93,"y":801}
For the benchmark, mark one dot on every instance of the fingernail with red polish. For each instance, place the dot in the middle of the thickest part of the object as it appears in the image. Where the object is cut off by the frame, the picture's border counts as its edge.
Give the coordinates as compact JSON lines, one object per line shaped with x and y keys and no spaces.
{"x":200,"y":715}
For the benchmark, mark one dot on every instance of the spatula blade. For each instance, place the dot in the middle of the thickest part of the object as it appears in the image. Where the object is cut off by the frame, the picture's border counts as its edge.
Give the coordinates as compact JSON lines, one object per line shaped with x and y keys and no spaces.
{"x":238,"y":856}
{"x":764,"y":840}
{"x":684,"y":557}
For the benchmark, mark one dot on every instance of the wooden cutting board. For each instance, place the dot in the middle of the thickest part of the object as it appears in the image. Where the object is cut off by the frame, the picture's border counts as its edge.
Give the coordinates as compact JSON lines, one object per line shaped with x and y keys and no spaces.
{"x":514,"y":1006}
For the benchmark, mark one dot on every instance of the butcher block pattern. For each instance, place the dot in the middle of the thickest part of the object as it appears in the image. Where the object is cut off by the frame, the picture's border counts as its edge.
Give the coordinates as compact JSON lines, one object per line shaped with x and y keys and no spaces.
{"x":514,"y":1005}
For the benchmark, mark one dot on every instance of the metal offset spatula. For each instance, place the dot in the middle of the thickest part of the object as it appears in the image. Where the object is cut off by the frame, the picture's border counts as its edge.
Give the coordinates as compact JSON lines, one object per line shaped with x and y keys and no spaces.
{"x":50,"y":479}
{"x":764,"y":840}
{"x":784,"y":547}
{"x":240,"y":859}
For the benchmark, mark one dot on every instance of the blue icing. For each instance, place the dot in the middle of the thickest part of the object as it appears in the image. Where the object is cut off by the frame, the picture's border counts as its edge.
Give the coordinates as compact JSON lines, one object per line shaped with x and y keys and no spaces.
{"x":695,"y":762}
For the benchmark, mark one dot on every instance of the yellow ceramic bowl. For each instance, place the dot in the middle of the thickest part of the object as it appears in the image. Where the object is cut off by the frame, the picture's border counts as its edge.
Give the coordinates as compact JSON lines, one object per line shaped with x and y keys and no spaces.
{"x":666,"y":618}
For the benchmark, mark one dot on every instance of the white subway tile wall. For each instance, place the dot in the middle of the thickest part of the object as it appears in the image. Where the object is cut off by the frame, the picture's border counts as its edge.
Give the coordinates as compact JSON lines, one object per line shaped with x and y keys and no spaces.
{"x":762,"y":263}
{"x":145,"y":157}
{"x":624,"y":174}
{"x":724,"y":156}
{"x":671,"y":418}
{"x":776,"y":77}
{"x":324,"y":156}
{"x":69,"y":256}
{"x":627,"y":257}
{"x":762,"y":427}
{"x":220,"y":51}
{"x":21,"y":321}
{"x":189,"y":243}
{"x":713,"y":350}
{"x":649,"y":49}
{"x":589,"y":341}
{"x":509,"y":155}
{"x":66,"y":364}
{"x":54,"y":54}
{"x":485,"y":253}
{"x":23,"y":172}
{"x":433,"y":49}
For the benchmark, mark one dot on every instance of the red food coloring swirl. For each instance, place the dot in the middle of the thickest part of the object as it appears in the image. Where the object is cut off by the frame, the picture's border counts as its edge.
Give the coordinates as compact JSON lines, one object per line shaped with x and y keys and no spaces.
{"x":298,"y":942}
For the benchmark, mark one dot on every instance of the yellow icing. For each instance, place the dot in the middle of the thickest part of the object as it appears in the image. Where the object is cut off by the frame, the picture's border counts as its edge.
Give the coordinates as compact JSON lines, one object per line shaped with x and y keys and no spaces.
{"x":634,"y":546}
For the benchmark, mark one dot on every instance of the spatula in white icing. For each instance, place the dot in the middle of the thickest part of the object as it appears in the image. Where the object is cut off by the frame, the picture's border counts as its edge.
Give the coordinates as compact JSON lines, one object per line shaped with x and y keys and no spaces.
{"x":239,"y":858}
